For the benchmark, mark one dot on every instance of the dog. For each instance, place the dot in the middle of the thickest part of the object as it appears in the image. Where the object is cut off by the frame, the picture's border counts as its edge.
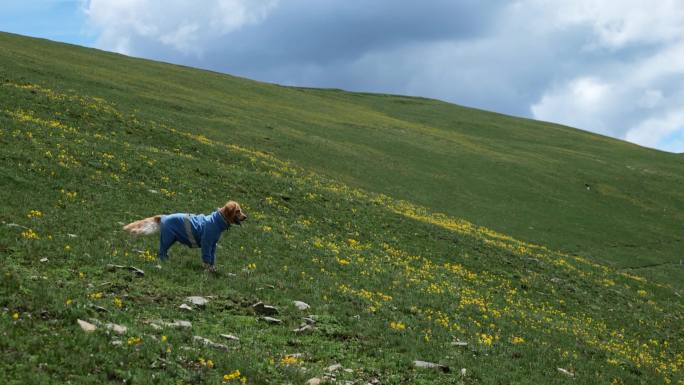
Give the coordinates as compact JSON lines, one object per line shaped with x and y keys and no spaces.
{"x":192,"y":230}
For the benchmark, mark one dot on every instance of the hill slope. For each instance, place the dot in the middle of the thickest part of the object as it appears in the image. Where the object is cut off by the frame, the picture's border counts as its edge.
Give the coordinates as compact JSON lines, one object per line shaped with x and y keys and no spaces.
{"x":344,"y":210}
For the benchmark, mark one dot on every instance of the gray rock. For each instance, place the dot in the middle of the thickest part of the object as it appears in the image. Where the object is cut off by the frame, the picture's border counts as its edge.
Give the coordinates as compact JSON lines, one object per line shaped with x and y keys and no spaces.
{"x":301,"y":305}
{"x":262,"y":309}
{"x":132,"y":269}
{"x":118,"y":329}
{"x":43,"y":260}
{"x":185,"y":306}
{"x":230,"y":337}
{"x":304,"y":329}
{"x":175,"y":324}
{"x":459,"y":343}
{"x":197,"y":300}
{"x":314,"y":381}
{"x":333,"y":368}
{"x":566,"y":372}
{"x":271,"y":320}
{"x":430,"y":365}
{"x":210,"y":343}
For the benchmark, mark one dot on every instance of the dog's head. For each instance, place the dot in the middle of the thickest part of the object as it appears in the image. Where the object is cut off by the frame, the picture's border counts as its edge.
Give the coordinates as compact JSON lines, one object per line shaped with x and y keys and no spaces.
{"x":232,"y":213}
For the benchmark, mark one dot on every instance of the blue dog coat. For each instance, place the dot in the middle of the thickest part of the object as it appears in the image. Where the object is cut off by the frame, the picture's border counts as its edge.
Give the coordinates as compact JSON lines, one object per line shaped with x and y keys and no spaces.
{"x":192,"y":230}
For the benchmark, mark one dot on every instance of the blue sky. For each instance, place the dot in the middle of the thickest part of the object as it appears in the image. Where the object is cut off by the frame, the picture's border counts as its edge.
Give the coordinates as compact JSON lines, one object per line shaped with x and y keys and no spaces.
{"x":614,"y":67}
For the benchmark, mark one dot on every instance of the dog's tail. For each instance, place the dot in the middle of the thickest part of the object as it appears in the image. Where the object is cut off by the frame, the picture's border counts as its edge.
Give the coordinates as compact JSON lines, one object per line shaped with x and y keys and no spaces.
{"x":145,"y":226}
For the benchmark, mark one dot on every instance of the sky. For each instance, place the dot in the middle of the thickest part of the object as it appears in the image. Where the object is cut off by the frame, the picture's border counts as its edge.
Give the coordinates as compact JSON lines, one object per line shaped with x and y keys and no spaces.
{"x":614,"y":67}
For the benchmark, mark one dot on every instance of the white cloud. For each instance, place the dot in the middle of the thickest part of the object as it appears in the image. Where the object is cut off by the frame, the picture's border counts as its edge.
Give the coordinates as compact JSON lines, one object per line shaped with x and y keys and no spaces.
{"x":584,"y":102}
{"x":182,"y":25}
{"x":618,"y":23}
{"x":652,"y":131}
{"x":635,"y":97}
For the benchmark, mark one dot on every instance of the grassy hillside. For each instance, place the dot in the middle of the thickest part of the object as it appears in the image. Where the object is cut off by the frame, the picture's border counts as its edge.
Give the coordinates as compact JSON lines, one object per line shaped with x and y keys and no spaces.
{"x":407,"y":224}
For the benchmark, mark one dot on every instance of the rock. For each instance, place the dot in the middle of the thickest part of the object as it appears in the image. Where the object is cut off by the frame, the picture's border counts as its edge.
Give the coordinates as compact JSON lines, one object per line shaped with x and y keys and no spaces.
{"x":73,"y":235}
{"x":261,"y":308}
{"x":100,"y":309}
{"x":566,"y":372}
{"x":430,"y":365}
{"x":117,"y":342}
{"x":459,"y":343}
{"x":197,"y":300}
{"x":86,"y":326}
{"x":132,"y":269}
{"x":179,"y":324}
{"x":210,"y":343}
{"x":304,"y":329}
{"x":301,"y":305}
{"x":158,"y":324}
{"x":153,"y":191}
{"x":118,"y":329}
{"x":314,"y":381}
{"x":309,"y":320}
{"x":43,"y":260}
{"x":271,"y":320}
{"x":185,"y":306}
{"x":333,"y":368}
{"x":349,"y":370}
{"x":463,"y":372}
{"x":230,"y":337}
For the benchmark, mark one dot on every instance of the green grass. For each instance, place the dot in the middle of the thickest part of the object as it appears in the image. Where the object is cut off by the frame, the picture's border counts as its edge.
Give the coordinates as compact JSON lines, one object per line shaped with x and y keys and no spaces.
{"x":374,"y":209}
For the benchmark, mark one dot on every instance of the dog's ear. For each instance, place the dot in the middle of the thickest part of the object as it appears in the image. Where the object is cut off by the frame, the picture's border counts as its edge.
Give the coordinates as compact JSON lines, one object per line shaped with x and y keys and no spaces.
{"x":228,"y":211}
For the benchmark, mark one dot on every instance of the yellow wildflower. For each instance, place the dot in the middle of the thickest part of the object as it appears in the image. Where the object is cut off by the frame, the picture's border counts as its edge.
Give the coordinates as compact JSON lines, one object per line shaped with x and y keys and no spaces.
{"x":34,"y":214}
{"x":232,"y":375}
{"x":29,"y":234}
{"x":15,"y":316}
{"x":486,"y":339}
{"x":164,"y":338}
{"x":118,"y":302}
{"x":289,"y":360}
{"x":69,"y":302}
{"x":397,"y":326}
{"x":517,"y":340}
{"x":134,"y":340}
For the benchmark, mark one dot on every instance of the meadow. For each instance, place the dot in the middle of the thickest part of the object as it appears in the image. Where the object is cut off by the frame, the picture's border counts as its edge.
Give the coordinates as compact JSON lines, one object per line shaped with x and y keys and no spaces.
{"x":371,"y":209}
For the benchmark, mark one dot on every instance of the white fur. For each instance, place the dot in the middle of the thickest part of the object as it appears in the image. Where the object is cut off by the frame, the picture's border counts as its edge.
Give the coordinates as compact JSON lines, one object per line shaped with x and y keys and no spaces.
{"x":143,"y":227}
{"x":150,"y":227}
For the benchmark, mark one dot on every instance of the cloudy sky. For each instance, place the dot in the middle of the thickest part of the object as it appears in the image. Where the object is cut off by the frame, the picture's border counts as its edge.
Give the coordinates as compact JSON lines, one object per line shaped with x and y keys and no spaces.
{"x":615,"y":67}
